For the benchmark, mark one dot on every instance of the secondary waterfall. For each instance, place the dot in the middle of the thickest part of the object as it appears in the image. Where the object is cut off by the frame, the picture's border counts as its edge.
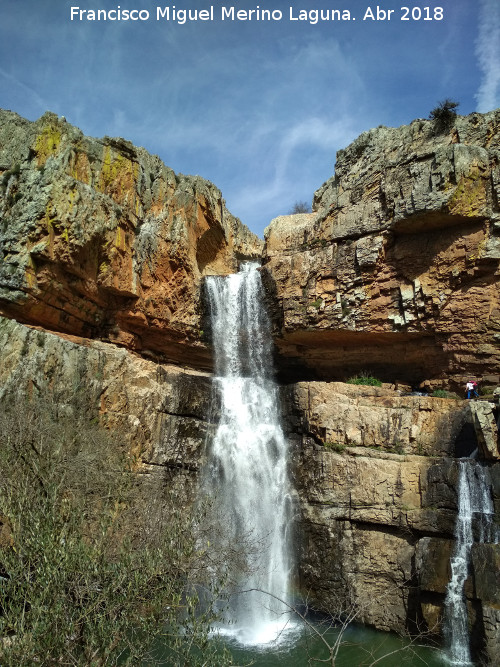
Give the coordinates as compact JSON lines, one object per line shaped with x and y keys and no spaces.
{"x":475,"y":510}
{"x":249,"y":455}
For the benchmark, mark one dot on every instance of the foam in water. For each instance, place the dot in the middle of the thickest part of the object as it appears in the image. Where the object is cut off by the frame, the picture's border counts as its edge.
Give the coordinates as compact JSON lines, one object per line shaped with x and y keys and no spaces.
{"x":474,"y":504}
{"x":248,"y":457}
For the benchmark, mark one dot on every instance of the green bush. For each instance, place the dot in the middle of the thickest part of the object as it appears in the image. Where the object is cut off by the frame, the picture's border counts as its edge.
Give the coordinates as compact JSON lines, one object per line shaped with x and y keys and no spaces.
{"x":365,"y":379}
{"x":338,"y":447}
{"x":91,"y":573}
{"x":444,"y":114}
{"x":443,"y":393}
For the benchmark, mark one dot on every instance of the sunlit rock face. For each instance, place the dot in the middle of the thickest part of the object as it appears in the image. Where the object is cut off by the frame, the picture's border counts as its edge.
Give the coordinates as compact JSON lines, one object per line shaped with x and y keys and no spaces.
{"x":376,"y":478}
{"x":395,"y":273}
{"x":397,"y":269}
{"x":100,"y":239}
{"x":160,"y":411}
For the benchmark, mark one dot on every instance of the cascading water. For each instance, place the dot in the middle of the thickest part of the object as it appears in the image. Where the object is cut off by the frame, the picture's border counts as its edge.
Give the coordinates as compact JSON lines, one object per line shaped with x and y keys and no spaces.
{"x":475,"y":510}
{"x":248,"y":458}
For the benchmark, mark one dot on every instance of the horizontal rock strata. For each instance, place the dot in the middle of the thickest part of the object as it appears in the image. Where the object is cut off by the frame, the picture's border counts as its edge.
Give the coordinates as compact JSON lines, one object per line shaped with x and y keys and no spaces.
{"x":397,"y":270}
{"x":377,"y":490}
{"x":100,"y":239}
{"x":160,"y":410}
{"x":103,"y":250}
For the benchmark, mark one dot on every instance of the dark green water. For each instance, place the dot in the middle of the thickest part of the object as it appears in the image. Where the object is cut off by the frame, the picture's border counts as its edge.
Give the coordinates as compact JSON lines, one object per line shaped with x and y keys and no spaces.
{"x":359,"y":647}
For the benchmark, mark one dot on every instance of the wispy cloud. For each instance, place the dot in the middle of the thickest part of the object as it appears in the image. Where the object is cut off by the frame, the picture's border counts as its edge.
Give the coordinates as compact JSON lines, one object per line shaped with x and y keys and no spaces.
{"x":488,"y":54}
{"x":25,"y":89}
{"x":258,"y":108}
{"x":295,"y":174}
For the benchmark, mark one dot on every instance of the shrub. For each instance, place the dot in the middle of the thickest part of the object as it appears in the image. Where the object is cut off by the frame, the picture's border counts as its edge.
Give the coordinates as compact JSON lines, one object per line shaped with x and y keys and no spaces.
{"x":443,"y":393}
{"x":91,"y":573}
{"x":397,"y":447}
{"x":300,"y":207}
{"x":444,"y":114}
{"x":338,"y":447}
{"x":365,"y":379}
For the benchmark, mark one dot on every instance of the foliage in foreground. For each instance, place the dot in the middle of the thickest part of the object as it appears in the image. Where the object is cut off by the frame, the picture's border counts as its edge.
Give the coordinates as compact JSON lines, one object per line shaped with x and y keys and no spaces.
{"x":89,"y":573}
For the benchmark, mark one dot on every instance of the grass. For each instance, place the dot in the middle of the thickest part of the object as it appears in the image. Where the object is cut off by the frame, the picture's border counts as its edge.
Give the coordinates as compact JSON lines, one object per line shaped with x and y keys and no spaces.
{"x":443,"y":393}
{"x":364,"y":378}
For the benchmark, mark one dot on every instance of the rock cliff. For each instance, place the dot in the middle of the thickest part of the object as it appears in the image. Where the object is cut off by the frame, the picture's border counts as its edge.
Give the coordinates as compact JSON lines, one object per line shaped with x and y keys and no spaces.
{"x":376,"y":479}
{"x":100,"y":239}
{"x":103,"y":252}
{"x":397,"y":269}
{"x":395,"y":272}
{"x":161,"y":411}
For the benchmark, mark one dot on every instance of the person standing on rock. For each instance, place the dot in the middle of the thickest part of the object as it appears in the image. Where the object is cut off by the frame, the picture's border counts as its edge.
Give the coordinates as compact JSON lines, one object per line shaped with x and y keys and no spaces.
{"x":471,"y":389}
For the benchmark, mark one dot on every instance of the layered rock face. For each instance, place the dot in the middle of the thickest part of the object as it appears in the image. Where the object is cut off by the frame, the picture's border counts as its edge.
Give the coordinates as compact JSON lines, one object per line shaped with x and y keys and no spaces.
{"x":397,"y":269}
{"x":376,"y":479}
{"x":161,"y":411}
{"x":396,"y":272}
{"x":100,"y":239}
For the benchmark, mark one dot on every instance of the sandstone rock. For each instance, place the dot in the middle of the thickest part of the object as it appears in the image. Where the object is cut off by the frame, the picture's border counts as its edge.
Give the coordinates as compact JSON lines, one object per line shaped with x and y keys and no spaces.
{"x":485,"y":425}
{"x":486,"y":570}
{"x":339,"y":414}
{"x":100,"y":239}
{"x":491,"y":624}
{"x":397,"y":270}
{"x":377,"y":520}
{"x":160,"y":410}
{"x":432,"y":563}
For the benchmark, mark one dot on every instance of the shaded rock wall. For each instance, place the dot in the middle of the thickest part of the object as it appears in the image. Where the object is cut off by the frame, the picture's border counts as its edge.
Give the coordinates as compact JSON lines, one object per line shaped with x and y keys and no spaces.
{"x":397,"y":270}
{"x":100,"y":239}
{"x":377,"y":490}
{"x":161,"y":411}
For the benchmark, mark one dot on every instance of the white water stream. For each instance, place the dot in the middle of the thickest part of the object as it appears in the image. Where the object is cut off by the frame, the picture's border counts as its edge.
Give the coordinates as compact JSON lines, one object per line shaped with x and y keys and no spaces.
{"x":474,"y":505}
{"x":248,"y":457}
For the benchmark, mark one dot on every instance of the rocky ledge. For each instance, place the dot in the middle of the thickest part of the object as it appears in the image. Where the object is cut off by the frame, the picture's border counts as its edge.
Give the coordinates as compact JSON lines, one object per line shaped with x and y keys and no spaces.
{"x":397,"y":268}
{"x":99,"y":239}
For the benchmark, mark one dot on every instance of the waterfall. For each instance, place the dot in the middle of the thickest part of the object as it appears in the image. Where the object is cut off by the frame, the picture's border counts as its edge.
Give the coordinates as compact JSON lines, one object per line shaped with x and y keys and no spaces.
{"x":475,"y":510}
{"x":248,"y":458}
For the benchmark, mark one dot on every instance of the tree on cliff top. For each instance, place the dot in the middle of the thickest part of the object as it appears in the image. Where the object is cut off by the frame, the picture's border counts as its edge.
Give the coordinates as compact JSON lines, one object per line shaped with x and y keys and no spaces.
{"x":444,"y":114}
{"x":300,"y":207}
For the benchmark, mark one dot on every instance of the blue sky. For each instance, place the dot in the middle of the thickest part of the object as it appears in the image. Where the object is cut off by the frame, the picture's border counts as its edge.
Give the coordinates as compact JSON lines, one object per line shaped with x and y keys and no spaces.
{"x":259,"y":108}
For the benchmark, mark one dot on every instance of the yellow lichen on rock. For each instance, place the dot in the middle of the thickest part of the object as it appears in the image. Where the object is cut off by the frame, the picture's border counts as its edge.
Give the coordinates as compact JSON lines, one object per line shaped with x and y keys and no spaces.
{"x":47,"y":143}
{"x":469,"y":198}
{"x":118,"y":177}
